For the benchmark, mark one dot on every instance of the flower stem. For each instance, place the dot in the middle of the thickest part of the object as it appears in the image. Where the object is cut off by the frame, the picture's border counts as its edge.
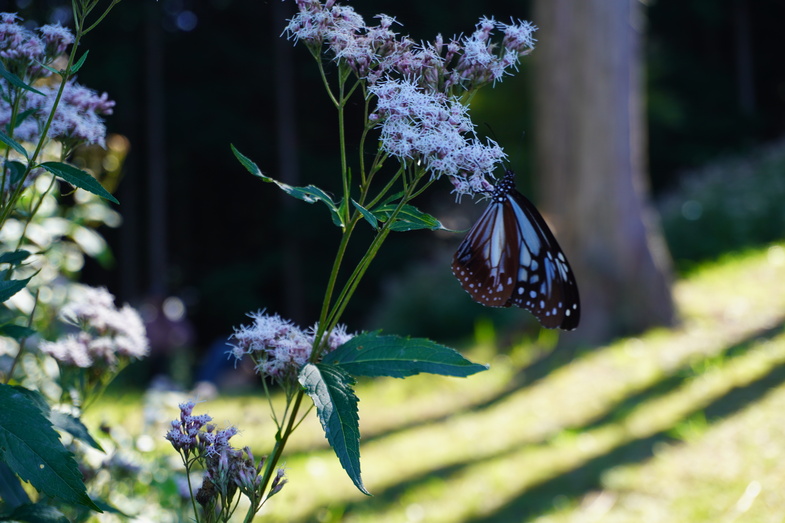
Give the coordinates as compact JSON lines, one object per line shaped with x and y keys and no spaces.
{"x":280,"y":443}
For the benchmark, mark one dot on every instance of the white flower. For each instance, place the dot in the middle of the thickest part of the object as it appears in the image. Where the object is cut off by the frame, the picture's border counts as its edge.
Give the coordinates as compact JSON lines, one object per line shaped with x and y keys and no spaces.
{"x":279,"y":347}
{"x":432,"y":128}
{"x":70,"y":350}
{"x":108,"y":334}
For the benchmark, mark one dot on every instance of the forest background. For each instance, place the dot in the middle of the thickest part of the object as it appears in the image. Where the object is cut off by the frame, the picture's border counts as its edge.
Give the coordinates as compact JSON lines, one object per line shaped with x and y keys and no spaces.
{"x":192,"y":77}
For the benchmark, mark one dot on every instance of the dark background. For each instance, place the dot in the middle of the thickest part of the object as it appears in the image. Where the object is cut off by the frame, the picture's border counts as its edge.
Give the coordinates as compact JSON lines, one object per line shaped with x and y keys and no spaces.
{"x":715,"y":87}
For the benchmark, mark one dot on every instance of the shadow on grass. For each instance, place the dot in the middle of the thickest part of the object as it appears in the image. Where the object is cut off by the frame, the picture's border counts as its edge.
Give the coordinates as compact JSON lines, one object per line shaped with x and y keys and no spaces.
{"x":554,"y":360}
{"x":585,"y":477}
{"x":580,"y":481}
{"x":680,"y":375}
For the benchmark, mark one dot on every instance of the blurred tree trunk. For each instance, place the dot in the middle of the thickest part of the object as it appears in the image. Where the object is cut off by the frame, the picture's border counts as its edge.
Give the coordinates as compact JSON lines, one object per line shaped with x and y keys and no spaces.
{"x":590,"y":142}
{"x":289,"y":168}
{"x":157,"y":260}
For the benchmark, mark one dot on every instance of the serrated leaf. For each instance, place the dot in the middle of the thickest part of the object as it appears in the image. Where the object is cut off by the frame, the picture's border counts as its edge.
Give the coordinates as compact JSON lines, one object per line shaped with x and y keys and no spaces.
{"x":330,"y":388}
{"x":78,"y":178}
{"x":368,"y":215}
{"x":409,"y":218}
{"x":36,"y":513}
{"x":74,"y":427}
{"x":370,"y":354}
{"x":16,"y":81}
{"x":31,"y":447}
{"x":79,"y":63}
{"x":16,"y":332}
{"x":16,"y":146}
{"x":10,"y":287}
{"x":111,"y":509}
{"x":15,"y":257}
{"x":308,"y":194}
{"x":59,"y":419}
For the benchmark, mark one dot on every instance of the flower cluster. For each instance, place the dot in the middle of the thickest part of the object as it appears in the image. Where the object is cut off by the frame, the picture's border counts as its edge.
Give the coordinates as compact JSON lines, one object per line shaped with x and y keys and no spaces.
{"x":185,"y":431}
{"x":375,"y":52}
{"x":417,"y":86}
{"x":436,"y":130}
{"x":107,"y":335}
{"x":78,"y":119}
{"x":227,"y":469}
{"x":23,"y":52}
{"x":278,"y":347}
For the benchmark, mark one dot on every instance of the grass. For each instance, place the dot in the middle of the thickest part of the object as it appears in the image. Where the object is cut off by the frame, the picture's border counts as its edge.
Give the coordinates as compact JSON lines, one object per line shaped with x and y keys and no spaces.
{"x":682,"y":424}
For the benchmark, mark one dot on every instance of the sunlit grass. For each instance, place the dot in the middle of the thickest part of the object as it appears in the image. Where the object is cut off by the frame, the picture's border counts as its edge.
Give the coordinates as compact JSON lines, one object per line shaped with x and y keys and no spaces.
{"x":683,"y":424}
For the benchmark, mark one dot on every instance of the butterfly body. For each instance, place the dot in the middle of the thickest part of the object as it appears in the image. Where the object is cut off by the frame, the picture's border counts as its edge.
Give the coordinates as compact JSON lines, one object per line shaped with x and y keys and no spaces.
{"x":510,"y":257}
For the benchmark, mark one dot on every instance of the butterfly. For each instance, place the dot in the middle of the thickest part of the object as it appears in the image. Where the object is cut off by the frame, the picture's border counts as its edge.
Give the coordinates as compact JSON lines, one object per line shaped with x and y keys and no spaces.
{"x":510,"y":257}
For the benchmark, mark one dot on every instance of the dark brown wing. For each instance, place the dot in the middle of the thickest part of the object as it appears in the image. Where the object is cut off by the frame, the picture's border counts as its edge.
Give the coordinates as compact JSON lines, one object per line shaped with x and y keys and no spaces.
{"x":482,"y":262}
{"x":545,"y":283}
{"x":510,"y":257}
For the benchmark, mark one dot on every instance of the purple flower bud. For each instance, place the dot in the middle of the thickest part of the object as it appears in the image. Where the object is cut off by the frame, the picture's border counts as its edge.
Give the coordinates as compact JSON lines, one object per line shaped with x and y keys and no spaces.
{"x":278,"y":482}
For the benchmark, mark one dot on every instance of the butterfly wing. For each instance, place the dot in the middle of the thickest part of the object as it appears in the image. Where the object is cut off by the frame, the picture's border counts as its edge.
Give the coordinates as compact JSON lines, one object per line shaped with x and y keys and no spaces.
{"x":545,"y":283}
{"x":481,"y":262}
{"x":510,"y":257}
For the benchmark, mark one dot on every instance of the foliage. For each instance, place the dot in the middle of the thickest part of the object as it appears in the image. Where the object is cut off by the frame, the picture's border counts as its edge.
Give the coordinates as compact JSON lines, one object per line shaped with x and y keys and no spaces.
{"x":414,"y":128}
{"x":680,"y":424}
{"x":703,"y":101}
{"x":46,"y":116}
{"x":731,"y":204}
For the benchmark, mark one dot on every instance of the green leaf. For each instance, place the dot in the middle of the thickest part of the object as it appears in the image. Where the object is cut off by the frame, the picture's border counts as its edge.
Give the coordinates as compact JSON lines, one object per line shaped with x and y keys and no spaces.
{"x":13,"y":144}
{"x":15,"y":257}
{"x":10,"y":287}
{"x":11,"y":491}
{"x":308,"y":194}
{"x":368,"y":215}
{"x":246,"y":162}
{"x":79,"y":63}
{"x":50,"y":69}
{"x":16,"y":332}
{"x":370,"y":354}
{"x":15,"y":80}
{"x":32,"y":449}
{"x":409,"y":218}
{"x":74,"y":427}
{"x":78,"y":178}
{"x":330,"y":388}
{"x":106,"y":507}
{"x":17,"y":171}
{"x":60,"y":420}
{"x":24,"y":115}
{"x":36,"y":513}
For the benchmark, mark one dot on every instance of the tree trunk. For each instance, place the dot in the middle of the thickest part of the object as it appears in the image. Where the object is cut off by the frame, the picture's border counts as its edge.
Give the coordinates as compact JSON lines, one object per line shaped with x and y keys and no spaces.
{"x":157,"y":256}
{"x":590,"y":143}
{"x":286,"y":133}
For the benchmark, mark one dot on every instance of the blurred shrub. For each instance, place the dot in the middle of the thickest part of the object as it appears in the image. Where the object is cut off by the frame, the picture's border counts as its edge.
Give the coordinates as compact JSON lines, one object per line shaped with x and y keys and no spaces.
{"x":728,"y":205}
